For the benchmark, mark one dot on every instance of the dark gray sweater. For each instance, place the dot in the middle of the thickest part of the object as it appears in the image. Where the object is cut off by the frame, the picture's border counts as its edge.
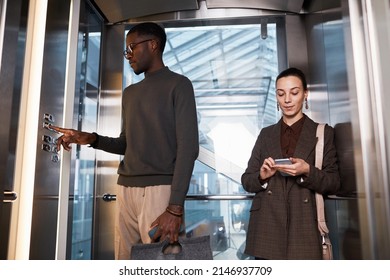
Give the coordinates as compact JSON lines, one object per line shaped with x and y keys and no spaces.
{"x":159,"y":138}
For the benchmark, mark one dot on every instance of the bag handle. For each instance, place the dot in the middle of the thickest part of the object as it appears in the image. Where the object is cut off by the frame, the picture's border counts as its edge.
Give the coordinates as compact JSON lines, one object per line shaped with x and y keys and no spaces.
{"x":318,"y":163}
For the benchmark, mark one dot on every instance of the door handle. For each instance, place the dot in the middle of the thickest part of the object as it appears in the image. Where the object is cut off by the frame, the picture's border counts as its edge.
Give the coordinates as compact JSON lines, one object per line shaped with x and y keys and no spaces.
{"x":9,"y":196}
{"x":109,"y":197}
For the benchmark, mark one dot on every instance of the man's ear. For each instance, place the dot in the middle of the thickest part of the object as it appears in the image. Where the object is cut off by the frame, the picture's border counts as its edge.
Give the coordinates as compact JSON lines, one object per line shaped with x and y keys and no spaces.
{"x":154,"y":45}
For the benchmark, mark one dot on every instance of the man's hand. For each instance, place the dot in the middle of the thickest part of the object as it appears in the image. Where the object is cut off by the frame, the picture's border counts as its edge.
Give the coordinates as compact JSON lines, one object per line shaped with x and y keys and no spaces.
{"x":169,"y":224}
{"x":70,"y":136}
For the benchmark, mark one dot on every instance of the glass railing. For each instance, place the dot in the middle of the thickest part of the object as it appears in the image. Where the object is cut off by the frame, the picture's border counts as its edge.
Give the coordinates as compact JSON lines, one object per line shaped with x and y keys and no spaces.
{"x":217,"y":206}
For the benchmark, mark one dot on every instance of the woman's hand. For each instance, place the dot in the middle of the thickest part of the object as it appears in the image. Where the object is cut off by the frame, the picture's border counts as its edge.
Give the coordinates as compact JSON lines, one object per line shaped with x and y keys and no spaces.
{"x":297,"y":167}
{"x":267,"y":169}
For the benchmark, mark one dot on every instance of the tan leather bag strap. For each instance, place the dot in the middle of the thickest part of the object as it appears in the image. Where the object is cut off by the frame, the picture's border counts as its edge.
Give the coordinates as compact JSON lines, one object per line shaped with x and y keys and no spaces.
{"x":318,"y":163}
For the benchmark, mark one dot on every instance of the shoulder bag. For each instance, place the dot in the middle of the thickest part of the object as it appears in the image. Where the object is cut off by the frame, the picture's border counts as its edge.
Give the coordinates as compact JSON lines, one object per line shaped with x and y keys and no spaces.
{"x":326,"y":245}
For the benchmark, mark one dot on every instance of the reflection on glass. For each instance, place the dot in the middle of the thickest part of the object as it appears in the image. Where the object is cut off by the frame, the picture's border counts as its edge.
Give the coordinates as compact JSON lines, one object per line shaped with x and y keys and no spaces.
{"x":224,"y":220}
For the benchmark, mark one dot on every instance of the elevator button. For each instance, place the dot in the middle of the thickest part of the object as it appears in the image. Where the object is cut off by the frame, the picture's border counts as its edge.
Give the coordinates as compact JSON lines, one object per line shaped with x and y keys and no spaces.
{"x":47,"y":148}
{"x":48,"y":117}
{"x":55,"y":158}
{"x":48,"y":139}
{"x":46,"y":125}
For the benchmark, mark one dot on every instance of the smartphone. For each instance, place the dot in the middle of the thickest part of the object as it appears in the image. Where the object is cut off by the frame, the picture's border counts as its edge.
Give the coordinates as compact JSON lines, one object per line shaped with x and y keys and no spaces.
{"x":282,"y":161}
{"x":153,"y":231}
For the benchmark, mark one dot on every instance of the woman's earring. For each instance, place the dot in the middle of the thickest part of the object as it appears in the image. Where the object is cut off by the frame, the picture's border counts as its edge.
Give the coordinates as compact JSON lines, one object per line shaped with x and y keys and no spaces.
{"x":277,"y":106}
{"x":306,"y":104}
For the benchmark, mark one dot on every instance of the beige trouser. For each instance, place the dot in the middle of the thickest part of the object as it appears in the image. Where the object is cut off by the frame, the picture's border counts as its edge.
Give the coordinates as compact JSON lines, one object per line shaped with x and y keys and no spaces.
{"x":137,"y":208}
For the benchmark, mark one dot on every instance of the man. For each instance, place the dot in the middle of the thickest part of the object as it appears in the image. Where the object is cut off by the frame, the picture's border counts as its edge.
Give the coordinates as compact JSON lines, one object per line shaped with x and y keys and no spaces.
{"x":159,"y":141}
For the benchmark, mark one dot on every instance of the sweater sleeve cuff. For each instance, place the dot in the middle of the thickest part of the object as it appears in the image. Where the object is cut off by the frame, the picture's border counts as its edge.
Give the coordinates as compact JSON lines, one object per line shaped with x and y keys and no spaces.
{"x":95,"y":143}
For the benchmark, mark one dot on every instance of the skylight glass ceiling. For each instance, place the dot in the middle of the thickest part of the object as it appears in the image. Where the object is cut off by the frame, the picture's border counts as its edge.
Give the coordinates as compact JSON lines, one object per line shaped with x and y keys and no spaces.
{"x":229,"y":65}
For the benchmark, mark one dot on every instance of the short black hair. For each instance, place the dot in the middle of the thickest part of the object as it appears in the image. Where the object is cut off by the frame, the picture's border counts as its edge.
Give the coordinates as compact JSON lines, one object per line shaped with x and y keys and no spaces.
{"x":151,"y":28}
{"x":293,"y":72}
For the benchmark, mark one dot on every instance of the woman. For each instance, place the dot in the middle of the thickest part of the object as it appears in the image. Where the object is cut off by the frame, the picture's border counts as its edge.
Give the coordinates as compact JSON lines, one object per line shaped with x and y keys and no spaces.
{"x":283,"y":221}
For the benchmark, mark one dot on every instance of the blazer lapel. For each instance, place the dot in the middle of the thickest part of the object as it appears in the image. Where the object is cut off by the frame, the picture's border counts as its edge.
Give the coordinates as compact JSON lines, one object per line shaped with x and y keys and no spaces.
{"x":307,"y":140}
{"x":306,"y":144}
{"x":273,"y":141}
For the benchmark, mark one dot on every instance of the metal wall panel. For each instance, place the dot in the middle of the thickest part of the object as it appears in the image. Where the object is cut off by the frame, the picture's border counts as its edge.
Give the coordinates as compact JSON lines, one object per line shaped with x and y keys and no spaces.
{"x":12,"y":57}
{"x":294,"y":6}
{"x":46,"y":189}
{"x":109,"y":124}
{"x":121,"y":10}
{"x":368,"y":42}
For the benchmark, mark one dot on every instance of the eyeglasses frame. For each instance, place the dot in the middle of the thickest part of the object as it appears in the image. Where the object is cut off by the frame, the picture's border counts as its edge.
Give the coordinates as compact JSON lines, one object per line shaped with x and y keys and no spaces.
{"x":130,"y":48}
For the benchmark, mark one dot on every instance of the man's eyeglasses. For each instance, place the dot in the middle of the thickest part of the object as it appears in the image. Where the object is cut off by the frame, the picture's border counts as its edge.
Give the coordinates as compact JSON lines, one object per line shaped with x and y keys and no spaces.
{"x":130,"y":48}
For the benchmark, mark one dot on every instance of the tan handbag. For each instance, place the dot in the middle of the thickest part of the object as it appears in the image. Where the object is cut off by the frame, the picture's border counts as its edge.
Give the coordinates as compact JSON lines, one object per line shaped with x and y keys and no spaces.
{"x":327,"y":253}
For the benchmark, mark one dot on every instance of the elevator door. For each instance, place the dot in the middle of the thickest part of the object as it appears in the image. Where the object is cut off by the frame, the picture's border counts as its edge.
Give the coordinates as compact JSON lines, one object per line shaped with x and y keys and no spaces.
{"x":13,"y":31}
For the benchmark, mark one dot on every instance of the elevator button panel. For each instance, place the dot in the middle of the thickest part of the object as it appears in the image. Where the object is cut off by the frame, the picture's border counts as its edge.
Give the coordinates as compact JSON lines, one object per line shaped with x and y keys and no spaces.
{"x":49,"y":142}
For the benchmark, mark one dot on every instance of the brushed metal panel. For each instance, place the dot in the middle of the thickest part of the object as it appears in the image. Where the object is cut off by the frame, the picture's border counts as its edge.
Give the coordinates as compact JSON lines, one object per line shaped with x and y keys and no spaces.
{"x":12,"y":52}
{"x":369,"y":45}
{"x":311,"y":6}
{"x":52,"y":93}
{"x":43,"y":231}
{"x":109,"y":124}
{"x":9,"y":94}
{"x":46,"y":185}
{"x":120,"y":10}
{"x":279,"y":5}
{"x":296,"y":43}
